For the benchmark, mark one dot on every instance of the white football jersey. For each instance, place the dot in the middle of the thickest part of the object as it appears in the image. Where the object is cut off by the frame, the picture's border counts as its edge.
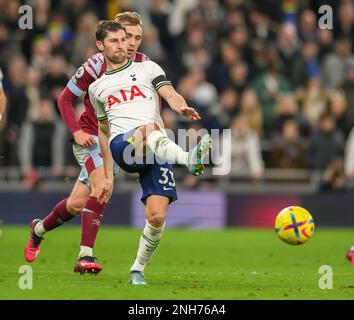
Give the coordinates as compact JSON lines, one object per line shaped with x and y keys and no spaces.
{"x":128,"y":96}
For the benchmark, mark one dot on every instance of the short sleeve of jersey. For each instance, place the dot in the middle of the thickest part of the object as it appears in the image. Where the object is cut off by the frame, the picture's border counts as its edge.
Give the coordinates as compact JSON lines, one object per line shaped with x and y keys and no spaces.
{"x":97,"y":105}
{"x":85,"y":75}
{"x":158,"y":76}
{"x":1,"y":77}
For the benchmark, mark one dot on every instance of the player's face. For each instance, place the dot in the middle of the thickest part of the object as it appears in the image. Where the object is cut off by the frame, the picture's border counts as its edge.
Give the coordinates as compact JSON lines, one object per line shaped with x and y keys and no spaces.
{"x":134,"y":37}
{"x":115,"y":46}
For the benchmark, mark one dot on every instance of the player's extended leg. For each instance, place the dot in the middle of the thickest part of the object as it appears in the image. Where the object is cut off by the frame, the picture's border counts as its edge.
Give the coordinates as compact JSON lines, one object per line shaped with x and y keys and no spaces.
{"x":162,"y":146}
{"x":64,"y":211}
{"x":159,"y":190}
{"x":156,"y":210}
{"x":92,"y":215}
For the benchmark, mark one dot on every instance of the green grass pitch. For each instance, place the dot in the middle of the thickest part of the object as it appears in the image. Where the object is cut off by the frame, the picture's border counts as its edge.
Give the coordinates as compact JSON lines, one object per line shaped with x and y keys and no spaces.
{"x":229,"y":264}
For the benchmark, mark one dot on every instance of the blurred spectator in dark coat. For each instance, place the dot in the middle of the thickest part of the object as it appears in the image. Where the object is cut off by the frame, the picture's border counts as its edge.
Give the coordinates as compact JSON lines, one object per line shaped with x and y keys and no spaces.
{"x":288,"y":147}
{"x":74,"y":9}
{"x":226,"y":108}
{"x":152,"y":47}
{"x":308,"y":28}
{"x":348,"y":85}
{"x":159,"y":15}
{"x":333,"y":67}
{"x":221,"y":71}
{"x":41,"y":54}
{"x":239,"y":76}
{"x":345,"y":21}
{"x":239,"y":37}
{"x":325,"y":145}
{"x":42,"y":141}
{"x":262,"y":27}
{"x":287,"y":109}
{"x":338,"y":108}
{"x":325,"y":43}
{"x":306,"y":65}
{"x":269,"y":85}
{"x":288,"y":45}
{"x":84,"y":37}
{"x":17,"y":106}
{"x":55,"y":80}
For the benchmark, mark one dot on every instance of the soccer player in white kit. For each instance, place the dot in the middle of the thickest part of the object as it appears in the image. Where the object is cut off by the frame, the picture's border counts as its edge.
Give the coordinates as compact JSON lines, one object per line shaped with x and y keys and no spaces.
{"x":126,"y":99}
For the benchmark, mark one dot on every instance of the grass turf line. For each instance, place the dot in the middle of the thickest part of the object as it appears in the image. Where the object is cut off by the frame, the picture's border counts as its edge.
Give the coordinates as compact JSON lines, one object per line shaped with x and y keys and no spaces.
{"x":229,"y":264}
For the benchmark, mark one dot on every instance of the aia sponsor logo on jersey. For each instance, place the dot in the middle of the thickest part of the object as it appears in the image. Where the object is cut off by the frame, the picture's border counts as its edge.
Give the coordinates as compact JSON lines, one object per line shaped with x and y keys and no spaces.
{"x":134,"y":92}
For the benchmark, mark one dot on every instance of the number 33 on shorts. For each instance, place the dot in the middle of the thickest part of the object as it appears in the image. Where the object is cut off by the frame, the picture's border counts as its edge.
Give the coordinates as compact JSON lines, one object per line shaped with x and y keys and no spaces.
{"x":167,"y":180}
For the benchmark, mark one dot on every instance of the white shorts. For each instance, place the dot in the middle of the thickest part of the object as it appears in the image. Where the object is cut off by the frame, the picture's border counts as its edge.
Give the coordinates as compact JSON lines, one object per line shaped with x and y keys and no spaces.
{"x":89,"y":159}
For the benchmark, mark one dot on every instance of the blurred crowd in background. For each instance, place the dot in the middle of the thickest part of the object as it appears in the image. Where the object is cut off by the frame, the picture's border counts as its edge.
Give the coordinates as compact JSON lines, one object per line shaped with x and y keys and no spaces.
{"x":263,"y":68}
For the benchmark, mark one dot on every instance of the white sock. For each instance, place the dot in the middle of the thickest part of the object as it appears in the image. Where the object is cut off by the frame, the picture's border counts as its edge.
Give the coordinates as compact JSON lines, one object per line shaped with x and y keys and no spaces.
{"x":149,"y":240}
{"x":166,"y":149}
{"x":39,"y":229}
{"x":85,"y":251}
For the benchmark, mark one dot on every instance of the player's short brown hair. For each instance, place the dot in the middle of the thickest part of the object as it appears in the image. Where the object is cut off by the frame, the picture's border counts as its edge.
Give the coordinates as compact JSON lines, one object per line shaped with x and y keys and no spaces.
{"x":106,"y":26}
{"x":131,"y":18}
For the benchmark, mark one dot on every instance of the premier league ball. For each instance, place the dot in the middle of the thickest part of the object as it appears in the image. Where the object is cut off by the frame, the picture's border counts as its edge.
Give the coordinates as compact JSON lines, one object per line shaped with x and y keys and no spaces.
{"x":294,"y":225}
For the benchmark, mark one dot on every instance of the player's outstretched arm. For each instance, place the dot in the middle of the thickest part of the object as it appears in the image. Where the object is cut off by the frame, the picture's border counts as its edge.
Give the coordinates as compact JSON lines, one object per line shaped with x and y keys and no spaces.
{"x":177,"y":102}
{"x":103,"y":136}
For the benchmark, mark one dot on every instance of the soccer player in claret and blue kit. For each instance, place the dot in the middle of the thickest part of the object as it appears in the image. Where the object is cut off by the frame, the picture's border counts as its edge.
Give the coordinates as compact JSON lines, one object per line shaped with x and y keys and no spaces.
{"x":83,"y":198}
